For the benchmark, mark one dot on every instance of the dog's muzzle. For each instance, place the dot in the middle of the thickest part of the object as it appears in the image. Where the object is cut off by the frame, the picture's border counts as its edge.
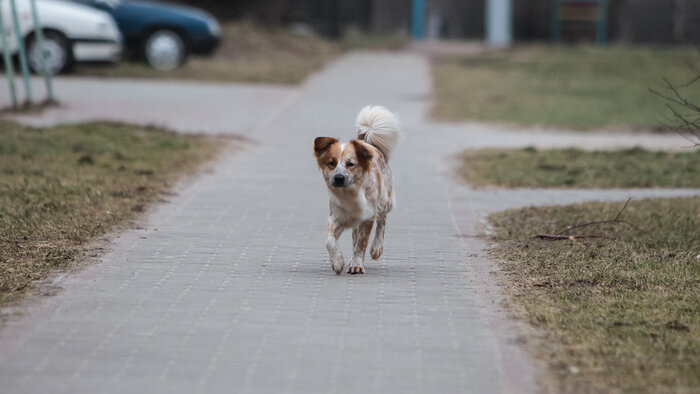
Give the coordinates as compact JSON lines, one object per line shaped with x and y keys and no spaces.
{"x":339,"y":180}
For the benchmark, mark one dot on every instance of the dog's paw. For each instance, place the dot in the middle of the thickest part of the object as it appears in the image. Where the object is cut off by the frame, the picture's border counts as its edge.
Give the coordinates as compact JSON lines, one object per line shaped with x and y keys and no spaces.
{"x":338,"y":266}
{"x":376,"y":251}
{"x":356,"y":269}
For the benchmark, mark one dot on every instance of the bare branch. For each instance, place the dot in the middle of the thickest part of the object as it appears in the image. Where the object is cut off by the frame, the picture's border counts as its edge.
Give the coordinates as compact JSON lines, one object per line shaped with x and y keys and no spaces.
{"x":562,"y":235}
{"x":623,"y":208}
{"x":555,"y":237}
{"x":687,"y":124}
{"x":615,"y":220}
{"x":683,"y":101}
{"x":692,"y":81}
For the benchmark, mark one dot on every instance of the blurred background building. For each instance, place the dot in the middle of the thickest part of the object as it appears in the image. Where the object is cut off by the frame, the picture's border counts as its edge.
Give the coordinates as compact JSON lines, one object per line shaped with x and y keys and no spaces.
{"x":629,"y":21}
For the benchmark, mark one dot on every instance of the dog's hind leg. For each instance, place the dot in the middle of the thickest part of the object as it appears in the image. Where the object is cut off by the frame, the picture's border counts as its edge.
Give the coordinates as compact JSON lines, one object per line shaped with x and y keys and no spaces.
{"x":336,"y":256}
{"x":378,"y":244}
{"x":358,"y":258}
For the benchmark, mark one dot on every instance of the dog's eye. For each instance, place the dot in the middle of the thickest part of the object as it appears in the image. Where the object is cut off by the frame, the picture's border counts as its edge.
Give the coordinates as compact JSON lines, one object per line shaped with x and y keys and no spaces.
{"x":350,"y":164}
{"x":332,"y":163}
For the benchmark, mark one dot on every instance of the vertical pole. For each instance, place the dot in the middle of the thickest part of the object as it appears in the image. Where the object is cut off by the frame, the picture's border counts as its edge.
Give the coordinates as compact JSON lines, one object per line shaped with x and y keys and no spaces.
{"x":499,"y":23}
{"x":488,"y":20}
{"x":680,"y":13}
{"x":602,"y":25}
{"x":22,"y":54}
{"x":39,"y":34}
{"x":555,"y":18}
{"x":7,"y":58}
{"x":418,"y":20}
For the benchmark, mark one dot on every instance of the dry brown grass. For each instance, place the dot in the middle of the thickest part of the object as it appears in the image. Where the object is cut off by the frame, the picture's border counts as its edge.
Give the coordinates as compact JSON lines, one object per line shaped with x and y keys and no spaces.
{"x":251,"y":53}
{"x":248,"y":53}
{"x":575,"y":168}
{"x":581,"y":87}
{"x":63,"y":186}
{"x":619,"y":315}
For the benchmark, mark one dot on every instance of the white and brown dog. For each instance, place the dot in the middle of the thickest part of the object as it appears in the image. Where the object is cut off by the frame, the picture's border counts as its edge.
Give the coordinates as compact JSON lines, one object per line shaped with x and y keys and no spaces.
{"x":360,"y":185}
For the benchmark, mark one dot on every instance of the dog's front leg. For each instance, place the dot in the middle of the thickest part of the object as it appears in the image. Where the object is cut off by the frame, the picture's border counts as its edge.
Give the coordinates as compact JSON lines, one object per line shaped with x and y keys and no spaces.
{"x":378,"y":244}
{"x":358,"y":258}
{"x":336,"y":256}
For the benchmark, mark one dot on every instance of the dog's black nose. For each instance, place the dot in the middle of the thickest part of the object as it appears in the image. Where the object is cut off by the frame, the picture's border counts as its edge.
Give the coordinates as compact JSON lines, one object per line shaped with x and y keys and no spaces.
{"x":339,"y":180}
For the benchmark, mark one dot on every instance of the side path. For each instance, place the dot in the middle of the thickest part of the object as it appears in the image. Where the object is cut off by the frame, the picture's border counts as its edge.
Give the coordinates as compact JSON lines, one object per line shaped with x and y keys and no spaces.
{"x":228,"y":287}
{"x":186,"y":107}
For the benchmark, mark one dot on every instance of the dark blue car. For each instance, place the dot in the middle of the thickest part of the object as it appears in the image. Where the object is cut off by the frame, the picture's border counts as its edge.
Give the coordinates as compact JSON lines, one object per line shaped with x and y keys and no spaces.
{"x":162,"y":34}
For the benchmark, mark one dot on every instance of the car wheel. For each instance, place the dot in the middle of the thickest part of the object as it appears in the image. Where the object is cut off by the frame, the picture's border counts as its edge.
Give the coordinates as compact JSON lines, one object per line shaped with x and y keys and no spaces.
{"x":164,"y":50}
{"x":56,"y":53}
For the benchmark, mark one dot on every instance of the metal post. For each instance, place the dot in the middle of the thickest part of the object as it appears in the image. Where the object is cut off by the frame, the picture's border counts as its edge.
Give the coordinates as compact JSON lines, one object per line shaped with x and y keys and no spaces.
{"x":7,"y":57}
{"x":555,"y":25}
{"x":39,"y":34}
{"x":499,"y":23}
{"x":602,"y":25}
{"x":418,"y":20}
{"x":22,"y":54}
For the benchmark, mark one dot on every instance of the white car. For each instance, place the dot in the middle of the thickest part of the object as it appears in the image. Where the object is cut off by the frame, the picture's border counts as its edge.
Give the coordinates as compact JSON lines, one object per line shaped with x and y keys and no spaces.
{"x":72,"y":33}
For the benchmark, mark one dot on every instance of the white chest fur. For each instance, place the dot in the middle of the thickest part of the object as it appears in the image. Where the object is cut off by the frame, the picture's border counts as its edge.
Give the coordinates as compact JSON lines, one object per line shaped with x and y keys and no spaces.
{"x":351,"y":206}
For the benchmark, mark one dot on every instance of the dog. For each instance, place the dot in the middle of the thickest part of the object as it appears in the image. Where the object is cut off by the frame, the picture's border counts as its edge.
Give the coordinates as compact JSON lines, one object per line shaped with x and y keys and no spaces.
{"x":360,"y":185}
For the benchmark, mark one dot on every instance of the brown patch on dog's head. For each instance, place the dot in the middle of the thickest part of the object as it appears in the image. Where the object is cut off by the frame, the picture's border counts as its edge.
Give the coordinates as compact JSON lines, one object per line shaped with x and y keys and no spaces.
{"x":364,"y":156}
{"x":323,"y":143}
{"x":326,"y":151}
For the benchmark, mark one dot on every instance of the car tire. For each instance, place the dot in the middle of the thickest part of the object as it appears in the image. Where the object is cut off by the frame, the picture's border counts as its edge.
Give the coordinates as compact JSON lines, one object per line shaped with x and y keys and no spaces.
{"x":57,"y":53}
{"x":164,"y":49}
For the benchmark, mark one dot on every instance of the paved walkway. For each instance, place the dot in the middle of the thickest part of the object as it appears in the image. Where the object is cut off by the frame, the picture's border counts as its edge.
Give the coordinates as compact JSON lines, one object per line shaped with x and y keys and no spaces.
{"x":188,"y":107}
{"x":227,"y":288}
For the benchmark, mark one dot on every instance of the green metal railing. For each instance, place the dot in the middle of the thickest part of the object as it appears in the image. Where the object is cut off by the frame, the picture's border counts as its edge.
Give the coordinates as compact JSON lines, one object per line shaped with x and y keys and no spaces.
{"x":22,"y":54}
{"x":39,"y":34}
{"x":7,"y":58}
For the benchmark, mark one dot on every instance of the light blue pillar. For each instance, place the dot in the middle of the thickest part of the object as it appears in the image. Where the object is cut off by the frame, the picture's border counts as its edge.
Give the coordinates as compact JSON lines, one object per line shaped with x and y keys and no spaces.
{"x":499,"y":23}
{"x":418,"y":20}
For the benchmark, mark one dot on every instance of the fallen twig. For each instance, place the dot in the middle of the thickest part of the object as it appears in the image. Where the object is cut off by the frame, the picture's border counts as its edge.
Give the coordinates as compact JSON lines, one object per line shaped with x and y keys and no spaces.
{"x":557,"y":237}
{"x":614,"y":220}
{"x":561,"y":235}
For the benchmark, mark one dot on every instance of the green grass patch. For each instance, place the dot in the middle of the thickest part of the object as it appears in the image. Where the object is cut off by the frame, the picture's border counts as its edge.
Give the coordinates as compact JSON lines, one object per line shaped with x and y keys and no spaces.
{"x":581,"y":87}
{"x":62,"y":186}
{"x":575,"y":168}
{"x":252,"y":53}
{"x":618,"y":315}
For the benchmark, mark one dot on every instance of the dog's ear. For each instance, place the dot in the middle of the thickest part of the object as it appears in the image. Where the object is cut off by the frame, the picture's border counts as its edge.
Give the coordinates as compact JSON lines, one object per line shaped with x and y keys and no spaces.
{"x":363,"y":154}
{"x":321,"y":144}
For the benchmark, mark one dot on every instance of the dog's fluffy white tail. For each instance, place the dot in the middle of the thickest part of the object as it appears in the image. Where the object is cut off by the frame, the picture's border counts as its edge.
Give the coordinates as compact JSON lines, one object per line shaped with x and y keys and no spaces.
{"x":379,"y":127}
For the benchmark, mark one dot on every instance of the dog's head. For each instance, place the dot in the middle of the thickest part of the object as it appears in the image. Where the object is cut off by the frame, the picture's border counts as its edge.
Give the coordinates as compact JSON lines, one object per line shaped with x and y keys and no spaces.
{"x":342,"y":164}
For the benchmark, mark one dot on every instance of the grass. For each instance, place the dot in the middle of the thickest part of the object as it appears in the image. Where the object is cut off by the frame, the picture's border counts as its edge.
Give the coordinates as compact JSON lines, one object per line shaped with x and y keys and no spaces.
{"x":617,"y":315}
{"x":63,"y":186}
{"x":581,"y":87}
{"x":574,"y":168}
{"x":251,"y":53}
